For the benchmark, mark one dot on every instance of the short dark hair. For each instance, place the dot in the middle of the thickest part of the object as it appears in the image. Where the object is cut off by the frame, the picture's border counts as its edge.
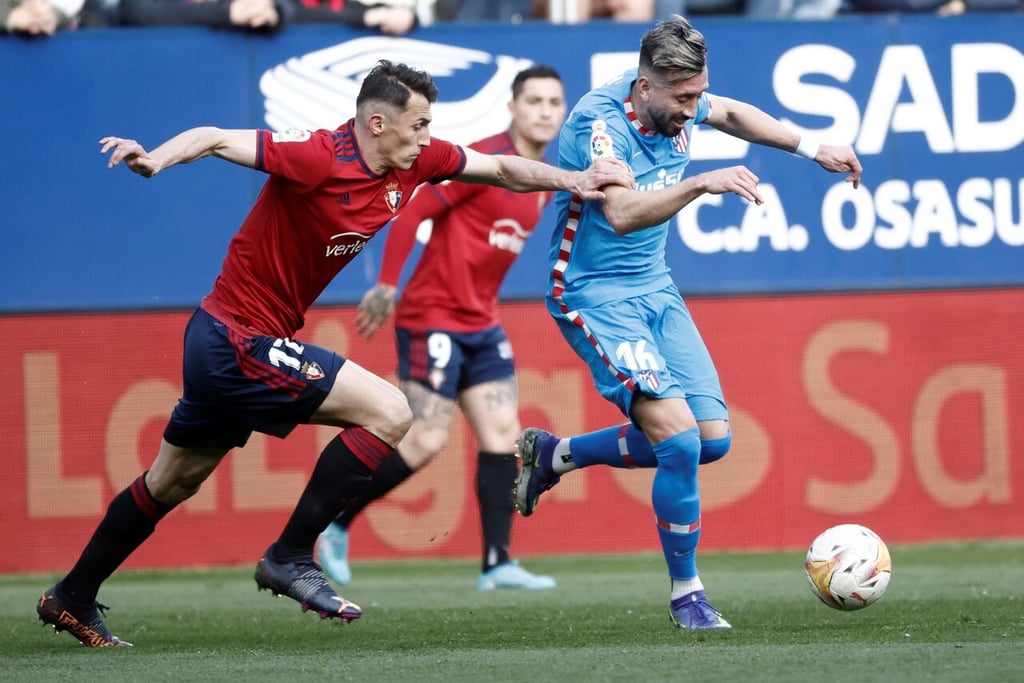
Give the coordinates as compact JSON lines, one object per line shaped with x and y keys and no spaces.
{"x":393,"y":83}
{"x":536,"y":71}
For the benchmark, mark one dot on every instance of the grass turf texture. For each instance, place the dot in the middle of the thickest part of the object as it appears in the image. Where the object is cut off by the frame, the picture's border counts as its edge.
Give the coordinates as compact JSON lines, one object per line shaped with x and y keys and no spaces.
{"x":952,"y":613}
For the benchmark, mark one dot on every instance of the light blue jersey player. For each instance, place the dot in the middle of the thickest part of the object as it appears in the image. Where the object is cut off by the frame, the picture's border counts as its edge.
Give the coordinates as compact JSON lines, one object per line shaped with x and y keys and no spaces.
{"x":614,"y":300}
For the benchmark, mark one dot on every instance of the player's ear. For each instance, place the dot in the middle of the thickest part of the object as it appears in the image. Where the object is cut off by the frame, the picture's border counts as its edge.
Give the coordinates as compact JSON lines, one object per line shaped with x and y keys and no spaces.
{"x":376,"y":123}
{"x":643,"y":86}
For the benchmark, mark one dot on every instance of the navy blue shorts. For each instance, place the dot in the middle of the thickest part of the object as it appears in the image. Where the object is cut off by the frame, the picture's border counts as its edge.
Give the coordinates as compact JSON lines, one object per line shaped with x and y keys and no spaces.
{"x":235,"y":385}
{"x":449,"y":362}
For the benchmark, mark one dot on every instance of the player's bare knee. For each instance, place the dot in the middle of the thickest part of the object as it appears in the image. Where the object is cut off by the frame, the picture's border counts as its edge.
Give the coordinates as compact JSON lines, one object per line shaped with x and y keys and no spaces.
{"x":423,"y":444}
{"x":393,"y":419}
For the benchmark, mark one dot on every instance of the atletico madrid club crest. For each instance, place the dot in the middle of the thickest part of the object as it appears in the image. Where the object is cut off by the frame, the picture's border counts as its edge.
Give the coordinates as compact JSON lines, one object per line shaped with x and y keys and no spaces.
{"x":393,"y":196}
{"x":649,"y":378}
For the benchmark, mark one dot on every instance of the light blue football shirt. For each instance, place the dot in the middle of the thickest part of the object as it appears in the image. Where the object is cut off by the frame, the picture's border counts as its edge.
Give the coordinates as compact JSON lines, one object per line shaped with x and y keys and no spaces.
{"x":589,"y":263}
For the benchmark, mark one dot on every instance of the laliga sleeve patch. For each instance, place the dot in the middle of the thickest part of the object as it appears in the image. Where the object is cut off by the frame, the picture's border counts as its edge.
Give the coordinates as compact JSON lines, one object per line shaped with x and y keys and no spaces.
{"x":291,"y":135}
{"x":600,"y":141}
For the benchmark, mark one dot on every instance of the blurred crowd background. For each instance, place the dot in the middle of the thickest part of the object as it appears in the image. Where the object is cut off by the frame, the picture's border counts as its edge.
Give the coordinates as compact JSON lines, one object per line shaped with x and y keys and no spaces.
{"x":42,"y":18}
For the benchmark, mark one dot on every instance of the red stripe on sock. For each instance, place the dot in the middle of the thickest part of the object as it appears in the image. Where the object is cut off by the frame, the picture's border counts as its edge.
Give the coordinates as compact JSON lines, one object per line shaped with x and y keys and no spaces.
{"x":679,"y":528}
{"x":370,"y":449}
{"x":627,"y":459}
{"x":150,"y":506}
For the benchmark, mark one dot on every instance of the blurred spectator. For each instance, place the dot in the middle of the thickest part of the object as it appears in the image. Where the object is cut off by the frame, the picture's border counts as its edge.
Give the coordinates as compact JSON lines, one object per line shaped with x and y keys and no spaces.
{"x":393,"y":18}
{"x":265,"y":15}
{"x":943,"y":8}
{"x":100,"y":13}
{"x":425,"y":10}
{"x":513,"y":11}
{"x":631,"y":10}
{"x":39,"y":17}
{"x":792,"y":9}
{"x":647,"y":11}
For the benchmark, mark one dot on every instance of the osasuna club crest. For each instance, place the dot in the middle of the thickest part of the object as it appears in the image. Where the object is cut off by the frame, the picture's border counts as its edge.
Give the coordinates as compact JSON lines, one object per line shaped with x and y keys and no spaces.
{"x":393,"y":196}
{"x":312,"y":371}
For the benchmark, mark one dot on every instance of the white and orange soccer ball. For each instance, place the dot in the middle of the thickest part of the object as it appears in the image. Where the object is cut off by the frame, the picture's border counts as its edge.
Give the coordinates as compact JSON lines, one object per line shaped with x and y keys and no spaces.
{"x":848,"y":567}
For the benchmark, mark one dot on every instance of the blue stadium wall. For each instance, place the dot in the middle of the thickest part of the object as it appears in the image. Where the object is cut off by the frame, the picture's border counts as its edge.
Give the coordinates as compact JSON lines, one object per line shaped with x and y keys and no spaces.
{"x":935,"y":108}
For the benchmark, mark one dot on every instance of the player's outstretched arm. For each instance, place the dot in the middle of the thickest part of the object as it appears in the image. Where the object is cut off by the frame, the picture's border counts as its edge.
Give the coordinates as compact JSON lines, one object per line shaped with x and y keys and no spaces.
{"x":236,"y":146}
{"x":524,"y":175}
{"x":747,"y":122}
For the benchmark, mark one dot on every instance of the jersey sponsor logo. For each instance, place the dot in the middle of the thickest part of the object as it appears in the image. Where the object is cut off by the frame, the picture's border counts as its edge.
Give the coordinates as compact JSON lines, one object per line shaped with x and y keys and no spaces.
{"x":600,"y":141}
{"x":318,"y":89}
{"x":392,"y":196}
{"x":351,"y":243}
{"x":290,"y":135}
{"x":663,"y":178}
{"x":508,"y":235}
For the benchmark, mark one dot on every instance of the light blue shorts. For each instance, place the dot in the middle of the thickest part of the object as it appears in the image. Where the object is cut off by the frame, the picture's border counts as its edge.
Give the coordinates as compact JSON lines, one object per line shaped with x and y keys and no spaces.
{"x":649,"y":345}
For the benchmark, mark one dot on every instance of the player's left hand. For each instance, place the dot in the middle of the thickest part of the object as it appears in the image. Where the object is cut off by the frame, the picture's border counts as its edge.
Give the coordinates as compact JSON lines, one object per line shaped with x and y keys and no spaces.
{"x":374,"y":309}
{"x":840,"y":159}
{"x":603,"y":172}
{"x":131,"y":153}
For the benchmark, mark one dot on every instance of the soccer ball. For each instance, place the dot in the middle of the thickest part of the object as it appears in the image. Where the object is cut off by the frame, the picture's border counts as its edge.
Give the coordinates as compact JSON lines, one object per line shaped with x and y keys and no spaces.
{"x":848,"y":567}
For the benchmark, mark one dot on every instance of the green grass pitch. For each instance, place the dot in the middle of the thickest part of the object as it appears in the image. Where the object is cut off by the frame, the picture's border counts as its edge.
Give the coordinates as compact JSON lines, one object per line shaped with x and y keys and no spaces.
{"x":954,"y":612}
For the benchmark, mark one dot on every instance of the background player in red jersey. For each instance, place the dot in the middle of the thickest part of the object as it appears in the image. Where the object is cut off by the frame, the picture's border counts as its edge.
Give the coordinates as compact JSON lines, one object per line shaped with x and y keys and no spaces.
{"x":451,"y":346}
{"x":328,"y":193}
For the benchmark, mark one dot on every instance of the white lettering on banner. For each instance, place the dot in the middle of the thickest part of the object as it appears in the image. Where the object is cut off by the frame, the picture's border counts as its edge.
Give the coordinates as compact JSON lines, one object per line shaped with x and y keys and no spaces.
{"x":900,"y":214}
{"x":904,"y":69}
{"x":765,"y":221}
{"x":816,"y":98}
{"x":969,"y":61}
{"x":887,"y":220}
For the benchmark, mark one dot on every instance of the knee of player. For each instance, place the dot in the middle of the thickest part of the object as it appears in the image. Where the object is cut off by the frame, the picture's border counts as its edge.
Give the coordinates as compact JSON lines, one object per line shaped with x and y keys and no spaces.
{"x":401,"y":417}
{"x":714,"y":449}
{"x":421,"y":444}
{"x":393,"y":419}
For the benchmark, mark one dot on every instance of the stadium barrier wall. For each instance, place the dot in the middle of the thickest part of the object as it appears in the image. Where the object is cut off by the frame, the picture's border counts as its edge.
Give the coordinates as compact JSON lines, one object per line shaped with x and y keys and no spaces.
{"x":869,"y":342}
{"x":895,"y":411}
{"x":935,"y":108}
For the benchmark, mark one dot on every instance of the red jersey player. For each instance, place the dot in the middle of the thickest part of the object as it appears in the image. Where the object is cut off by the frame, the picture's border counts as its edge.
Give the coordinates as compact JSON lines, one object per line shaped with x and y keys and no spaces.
{"x":451,"y":346}
{"x":327,"y":194}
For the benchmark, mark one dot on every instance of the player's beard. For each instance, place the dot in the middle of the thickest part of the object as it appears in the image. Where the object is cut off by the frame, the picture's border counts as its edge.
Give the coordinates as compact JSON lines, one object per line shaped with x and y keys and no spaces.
{"x":665,"y":124}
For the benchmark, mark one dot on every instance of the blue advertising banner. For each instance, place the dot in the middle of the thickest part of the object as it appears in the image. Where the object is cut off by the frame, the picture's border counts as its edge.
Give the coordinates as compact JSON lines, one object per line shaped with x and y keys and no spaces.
{"x":934,"y":107}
